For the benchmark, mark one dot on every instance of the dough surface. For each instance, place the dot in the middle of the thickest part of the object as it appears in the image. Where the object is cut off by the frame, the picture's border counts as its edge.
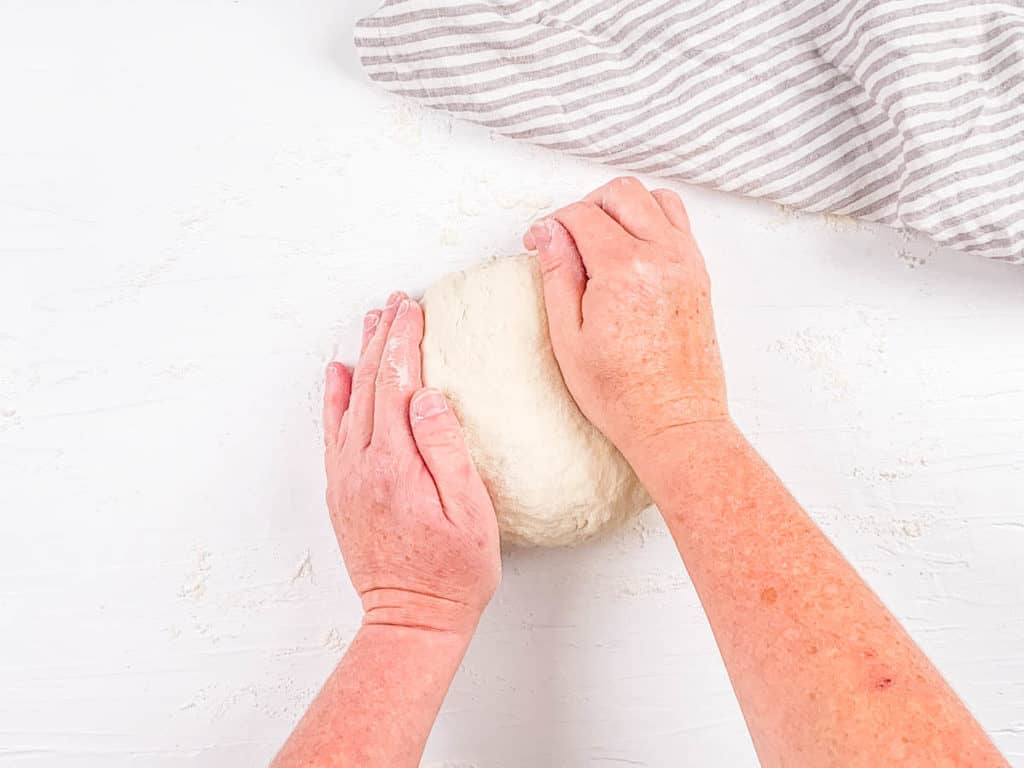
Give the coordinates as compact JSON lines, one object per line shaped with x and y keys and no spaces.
{"x":554,"y":478}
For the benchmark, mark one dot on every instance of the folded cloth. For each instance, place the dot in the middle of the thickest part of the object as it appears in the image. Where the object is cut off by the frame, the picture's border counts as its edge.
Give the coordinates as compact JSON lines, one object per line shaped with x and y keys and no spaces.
{"x":906,"y":112}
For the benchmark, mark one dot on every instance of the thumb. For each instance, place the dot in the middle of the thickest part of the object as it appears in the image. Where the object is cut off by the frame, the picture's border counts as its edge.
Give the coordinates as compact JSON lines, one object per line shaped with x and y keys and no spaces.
{"x":438,"y":437}
{"x":564,"y":277}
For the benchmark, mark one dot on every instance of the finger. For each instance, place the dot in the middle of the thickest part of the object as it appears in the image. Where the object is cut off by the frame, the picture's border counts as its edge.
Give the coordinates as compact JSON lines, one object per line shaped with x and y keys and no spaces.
{"x":364,"y":379}
{"x":370,"y":323}
{"x":627,"y":201}
{"x":673,"y":207}
{"x":564,"y":279}
{"x":529,"y":242}
{"x":596,"y":235}
{"x":399,"y":374}
{"x":337,"y":389}
{"x":439,"y":439}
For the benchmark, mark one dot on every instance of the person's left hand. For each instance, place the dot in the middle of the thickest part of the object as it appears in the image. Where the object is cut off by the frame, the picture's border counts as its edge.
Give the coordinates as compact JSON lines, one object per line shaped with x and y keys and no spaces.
{"x":414,"y":522}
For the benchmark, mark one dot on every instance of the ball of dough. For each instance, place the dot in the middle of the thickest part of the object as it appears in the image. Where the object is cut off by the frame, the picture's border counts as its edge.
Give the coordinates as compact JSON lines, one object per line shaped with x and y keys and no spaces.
{"x":555,"y":480}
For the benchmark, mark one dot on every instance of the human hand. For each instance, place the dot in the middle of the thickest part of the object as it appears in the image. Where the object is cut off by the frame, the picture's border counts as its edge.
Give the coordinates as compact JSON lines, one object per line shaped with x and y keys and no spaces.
{"x":414,"y":522}
{"x":629,"y":313}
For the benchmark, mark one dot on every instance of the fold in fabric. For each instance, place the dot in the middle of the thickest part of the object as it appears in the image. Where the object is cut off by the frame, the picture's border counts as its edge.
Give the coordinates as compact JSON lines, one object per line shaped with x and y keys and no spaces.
{"x":905,"y":112}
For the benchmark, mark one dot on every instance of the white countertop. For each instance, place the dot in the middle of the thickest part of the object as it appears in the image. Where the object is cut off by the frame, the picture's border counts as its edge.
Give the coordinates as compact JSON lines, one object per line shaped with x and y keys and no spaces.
{"x":198,"y":201}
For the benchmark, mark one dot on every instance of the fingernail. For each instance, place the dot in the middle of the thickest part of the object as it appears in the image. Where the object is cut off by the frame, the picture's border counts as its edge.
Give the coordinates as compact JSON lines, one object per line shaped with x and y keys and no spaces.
{"x":371,"y":320}
{"x":541,"y":232}
{"x":332,"y":370}
{"x":427,"y":404}
{"x":394,"y":298}
{"x":403,"y":307}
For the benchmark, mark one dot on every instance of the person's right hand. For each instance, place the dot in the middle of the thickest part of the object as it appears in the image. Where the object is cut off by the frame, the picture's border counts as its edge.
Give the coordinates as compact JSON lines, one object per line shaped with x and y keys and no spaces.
{"x":629,"y":313}
{"x":412,"y":516}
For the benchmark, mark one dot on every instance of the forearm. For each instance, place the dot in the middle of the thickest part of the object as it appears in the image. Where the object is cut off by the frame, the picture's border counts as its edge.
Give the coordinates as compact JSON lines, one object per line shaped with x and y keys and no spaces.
{"x":823,"y":672}
{"x":379,"y":704}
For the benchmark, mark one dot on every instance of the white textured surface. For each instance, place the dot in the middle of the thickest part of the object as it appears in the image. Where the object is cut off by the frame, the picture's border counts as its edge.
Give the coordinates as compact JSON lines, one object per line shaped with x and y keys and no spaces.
{"x":198,"y":200}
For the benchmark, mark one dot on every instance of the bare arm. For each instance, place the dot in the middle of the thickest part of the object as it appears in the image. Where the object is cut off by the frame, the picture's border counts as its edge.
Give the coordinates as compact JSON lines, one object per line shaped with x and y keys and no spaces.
{"x":824,"y":674}
{"x":379,"y":705}
{"x":420,"y":541}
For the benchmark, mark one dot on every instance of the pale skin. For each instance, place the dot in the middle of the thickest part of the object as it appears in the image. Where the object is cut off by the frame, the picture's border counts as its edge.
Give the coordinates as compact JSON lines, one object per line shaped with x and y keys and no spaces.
{"x":824,"y":674}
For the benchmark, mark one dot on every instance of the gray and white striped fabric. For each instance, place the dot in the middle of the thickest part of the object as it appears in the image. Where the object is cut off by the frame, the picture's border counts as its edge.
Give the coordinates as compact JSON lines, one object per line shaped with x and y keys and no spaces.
{"x":907,"y":112}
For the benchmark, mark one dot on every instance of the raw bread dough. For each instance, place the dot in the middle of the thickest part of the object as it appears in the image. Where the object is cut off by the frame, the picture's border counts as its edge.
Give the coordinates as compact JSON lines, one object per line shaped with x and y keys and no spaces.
{"x":555,"y":480}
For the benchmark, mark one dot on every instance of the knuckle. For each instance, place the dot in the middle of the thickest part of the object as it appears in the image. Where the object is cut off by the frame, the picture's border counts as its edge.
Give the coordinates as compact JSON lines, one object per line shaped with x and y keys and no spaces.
{"x":550,"y":262}
{"x":364,"y":381}
{"x":581,"y":208}
{"x":443,"y":440}
{"x":670,"y":195}
{"x":625,"y":187}
{"x":447,"y":447}
{"x":364,"y":377}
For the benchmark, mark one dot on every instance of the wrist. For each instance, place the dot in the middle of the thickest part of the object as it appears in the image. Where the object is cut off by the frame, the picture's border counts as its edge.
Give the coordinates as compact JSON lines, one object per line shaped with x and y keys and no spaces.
{"x":437,"y":649}
{"x":437,"y":653}
{"x":411,"y":610}
{"x":684,"y":455}
{"x":657,"y":420}
{"x":665,"y":442}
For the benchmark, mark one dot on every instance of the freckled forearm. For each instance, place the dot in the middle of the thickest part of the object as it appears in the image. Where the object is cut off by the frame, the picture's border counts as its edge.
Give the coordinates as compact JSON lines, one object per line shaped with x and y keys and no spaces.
{"x":377,"y":708}
{"x":825,"y":675}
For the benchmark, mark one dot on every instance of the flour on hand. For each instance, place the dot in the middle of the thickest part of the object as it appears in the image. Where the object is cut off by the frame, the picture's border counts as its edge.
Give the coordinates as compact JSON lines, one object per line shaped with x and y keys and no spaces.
{"x":554,"y":478}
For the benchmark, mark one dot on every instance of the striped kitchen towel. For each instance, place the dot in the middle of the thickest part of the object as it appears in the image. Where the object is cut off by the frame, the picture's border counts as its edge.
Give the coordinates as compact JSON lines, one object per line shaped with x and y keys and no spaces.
{"x":907,"y":112}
